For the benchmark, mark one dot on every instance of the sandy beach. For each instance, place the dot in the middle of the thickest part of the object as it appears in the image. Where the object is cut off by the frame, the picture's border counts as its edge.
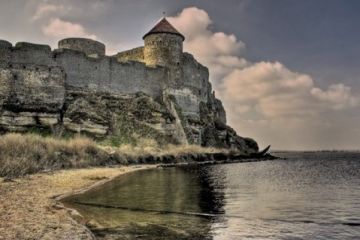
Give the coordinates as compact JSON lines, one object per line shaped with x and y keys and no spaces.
{"x":29,"y":208}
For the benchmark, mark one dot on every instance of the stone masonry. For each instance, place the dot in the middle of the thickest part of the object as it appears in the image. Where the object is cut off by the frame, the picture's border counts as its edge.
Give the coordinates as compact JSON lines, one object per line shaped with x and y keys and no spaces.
{"x":39,"y":86}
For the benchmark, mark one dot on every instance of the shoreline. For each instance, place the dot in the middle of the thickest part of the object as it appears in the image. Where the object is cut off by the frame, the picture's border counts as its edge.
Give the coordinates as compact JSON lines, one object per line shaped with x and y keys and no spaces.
{"x":30,"y":206}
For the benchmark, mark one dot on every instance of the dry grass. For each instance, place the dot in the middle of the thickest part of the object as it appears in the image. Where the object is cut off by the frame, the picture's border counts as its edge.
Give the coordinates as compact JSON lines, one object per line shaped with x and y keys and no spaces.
{"x":22,"y":154}
{"x":29,"y":153}
{"x":146,"y":147}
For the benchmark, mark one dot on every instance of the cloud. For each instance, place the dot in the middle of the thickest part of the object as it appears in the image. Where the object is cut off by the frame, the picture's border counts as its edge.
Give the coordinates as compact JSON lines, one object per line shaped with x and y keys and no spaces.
{"x":264,"y":99}
{"x":274,"y":91}
{"x":192,"y":22}
{"x":47,"y":9}
{"x":338,"y":95}
{"x":60,"y":29}
{"x":270,"y":89}
{"x":79,"y":9}
{"x":218,"y":50}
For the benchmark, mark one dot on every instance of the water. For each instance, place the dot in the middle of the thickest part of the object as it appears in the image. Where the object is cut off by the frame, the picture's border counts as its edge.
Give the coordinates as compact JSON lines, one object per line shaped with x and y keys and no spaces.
{"x":307,"y":196}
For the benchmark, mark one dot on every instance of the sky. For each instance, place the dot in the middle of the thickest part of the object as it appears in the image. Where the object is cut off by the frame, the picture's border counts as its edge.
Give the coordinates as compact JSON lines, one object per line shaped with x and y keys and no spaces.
{"x":287,"y":71}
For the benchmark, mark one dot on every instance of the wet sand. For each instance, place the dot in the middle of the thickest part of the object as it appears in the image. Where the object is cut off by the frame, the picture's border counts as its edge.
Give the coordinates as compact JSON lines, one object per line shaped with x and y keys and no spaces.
{"x":29,"y":206}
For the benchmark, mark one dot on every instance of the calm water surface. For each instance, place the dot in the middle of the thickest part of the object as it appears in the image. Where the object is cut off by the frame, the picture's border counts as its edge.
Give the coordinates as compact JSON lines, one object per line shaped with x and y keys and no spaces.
{"x":307,"y":196}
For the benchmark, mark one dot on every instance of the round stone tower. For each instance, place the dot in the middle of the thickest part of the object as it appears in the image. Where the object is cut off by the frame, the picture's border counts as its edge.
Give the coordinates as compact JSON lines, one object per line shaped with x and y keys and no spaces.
{"x":90,"y":47}
{"x":163,"y":45}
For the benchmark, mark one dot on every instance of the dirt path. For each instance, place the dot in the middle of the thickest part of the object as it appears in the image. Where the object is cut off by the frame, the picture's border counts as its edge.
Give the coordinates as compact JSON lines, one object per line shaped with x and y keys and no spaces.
{"x":28,"y":209}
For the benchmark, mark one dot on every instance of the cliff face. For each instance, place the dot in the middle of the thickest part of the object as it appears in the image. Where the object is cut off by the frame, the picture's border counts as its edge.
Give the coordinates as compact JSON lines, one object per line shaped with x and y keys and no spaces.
{"x":121,"y":119}
{"x":65,"y":92}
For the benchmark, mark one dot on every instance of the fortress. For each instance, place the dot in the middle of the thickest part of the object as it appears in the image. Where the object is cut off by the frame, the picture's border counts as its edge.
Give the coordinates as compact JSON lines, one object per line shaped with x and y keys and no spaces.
{"x":156,"y":90}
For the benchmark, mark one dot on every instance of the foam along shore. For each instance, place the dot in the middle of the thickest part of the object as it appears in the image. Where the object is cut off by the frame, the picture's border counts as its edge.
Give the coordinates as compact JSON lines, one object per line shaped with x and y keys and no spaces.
{"x":29,"y":206}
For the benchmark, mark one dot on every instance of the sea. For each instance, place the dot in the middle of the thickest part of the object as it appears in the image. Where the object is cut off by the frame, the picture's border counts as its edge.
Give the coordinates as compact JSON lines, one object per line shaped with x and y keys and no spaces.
{"x":304,"y":195}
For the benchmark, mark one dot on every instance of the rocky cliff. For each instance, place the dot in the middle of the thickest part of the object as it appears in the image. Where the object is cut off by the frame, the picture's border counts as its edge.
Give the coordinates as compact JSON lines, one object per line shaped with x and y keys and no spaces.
{"x":116,"y":119}
{"x":65,"y":92}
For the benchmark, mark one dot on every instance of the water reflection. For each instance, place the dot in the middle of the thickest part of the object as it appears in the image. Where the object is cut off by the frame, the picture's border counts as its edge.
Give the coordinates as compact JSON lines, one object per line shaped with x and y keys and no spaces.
{"x":308,"y":196}
{"x":178,"y":202}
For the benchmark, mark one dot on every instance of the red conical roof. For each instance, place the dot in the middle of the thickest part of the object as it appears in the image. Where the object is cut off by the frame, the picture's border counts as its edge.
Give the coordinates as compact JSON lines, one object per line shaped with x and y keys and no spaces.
{"x":164,"y":27}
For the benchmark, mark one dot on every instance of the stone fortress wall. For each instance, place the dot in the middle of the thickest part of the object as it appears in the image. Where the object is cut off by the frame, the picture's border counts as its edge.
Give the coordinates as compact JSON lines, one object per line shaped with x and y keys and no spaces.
{"x":102,"y":73}
{"x":135,"y":54}
{"x":85,"y":66}
{"x":35,"y":78}
{"x":87,"y":46}
{"x":187,"y":81}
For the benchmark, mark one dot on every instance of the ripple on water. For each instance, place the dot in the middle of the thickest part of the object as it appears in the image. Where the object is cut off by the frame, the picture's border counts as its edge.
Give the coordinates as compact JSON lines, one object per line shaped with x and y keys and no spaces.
{"x":308,"y":196}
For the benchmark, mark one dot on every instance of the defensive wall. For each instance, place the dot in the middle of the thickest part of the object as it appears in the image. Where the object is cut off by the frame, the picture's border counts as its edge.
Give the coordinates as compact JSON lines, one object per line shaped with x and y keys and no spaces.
{"x":105,"y":73}
{"x":82,"y":64}
{"x":135,"y":54}
{"x":90,"y":47}
{"x":101,"y":73}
